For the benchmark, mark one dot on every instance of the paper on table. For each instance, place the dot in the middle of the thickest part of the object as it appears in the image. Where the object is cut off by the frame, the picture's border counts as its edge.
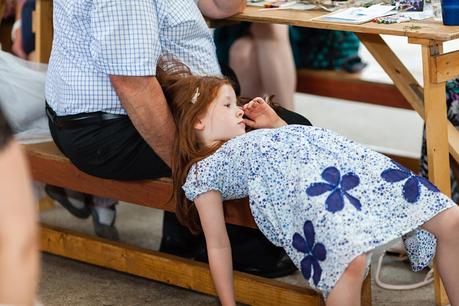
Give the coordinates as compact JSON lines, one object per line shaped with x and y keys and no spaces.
{"x":359,"y":15}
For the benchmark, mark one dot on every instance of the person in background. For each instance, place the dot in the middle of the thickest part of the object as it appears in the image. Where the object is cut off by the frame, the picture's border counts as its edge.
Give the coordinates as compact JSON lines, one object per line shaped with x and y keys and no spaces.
{"x":107,"y":112}
{"x":19,"y":254}
{"x":265,"y":56}
{"x":21,"y":35}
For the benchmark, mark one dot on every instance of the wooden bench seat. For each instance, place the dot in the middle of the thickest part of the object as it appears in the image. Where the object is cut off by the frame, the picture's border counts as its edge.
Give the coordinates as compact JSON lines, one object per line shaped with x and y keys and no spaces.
{"x":48,"y":165}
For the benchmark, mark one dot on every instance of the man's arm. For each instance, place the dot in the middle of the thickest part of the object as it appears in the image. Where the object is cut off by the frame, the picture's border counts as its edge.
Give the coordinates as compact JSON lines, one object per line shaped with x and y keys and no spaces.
{"x":144,"y":101}
{"x":218,"y":9}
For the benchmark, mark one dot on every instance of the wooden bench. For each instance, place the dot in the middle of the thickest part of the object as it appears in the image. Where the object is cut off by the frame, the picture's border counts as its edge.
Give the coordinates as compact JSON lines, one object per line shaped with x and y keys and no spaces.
{"x":49,"y":165}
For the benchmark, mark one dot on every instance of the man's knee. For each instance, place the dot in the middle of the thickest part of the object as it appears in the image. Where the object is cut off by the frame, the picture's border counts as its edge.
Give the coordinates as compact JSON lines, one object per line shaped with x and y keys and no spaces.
{"x":242,"y":53}
{"x":275,"y":32}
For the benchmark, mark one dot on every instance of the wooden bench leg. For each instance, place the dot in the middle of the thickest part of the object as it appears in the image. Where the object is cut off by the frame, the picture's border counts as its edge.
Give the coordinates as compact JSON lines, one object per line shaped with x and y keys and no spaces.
{"x":170,"y":269}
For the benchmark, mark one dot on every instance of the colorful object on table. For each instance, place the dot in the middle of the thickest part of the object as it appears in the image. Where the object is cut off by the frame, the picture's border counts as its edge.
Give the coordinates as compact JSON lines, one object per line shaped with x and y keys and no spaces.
{"x":450,"y":12}
{"x":392,"y":19}
{"x":409,"y":5}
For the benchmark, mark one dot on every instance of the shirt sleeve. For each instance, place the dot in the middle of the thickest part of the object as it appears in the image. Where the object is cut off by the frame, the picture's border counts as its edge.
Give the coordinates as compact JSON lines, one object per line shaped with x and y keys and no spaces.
{"x":125,"y":37}
{"x":201,"y":178}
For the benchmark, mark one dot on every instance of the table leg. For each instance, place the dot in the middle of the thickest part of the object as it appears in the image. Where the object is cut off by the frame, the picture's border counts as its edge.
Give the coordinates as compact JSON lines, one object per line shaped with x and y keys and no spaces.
{"x":43,"y":28}
{"x":436,"y":137}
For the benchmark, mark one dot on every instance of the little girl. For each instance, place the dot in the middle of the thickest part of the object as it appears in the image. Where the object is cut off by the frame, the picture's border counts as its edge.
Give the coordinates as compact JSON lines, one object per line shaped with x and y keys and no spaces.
{"x":326,"y":200}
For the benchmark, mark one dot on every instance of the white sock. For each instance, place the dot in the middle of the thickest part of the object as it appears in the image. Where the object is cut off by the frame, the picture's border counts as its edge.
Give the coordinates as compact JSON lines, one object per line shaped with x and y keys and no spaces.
{"x":104,"y":211}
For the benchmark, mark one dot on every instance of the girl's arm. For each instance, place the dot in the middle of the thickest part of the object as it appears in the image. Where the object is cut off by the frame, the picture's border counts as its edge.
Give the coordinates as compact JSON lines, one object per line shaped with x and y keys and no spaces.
{"x":260,"y":115}
{"x":210,"y":209}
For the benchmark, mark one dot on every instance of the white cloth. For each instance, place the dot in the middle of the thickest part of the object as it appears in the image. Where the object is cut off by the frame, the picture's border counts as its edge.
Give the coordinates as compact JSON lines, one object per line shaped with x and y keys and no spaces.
{"x":22,"y":97}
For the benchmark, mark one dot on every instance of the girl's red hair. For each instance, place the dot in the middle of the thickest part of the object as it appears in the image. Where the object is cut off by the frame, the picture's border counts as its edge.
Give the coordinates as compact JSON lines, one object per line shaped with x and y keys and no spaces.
{"x":179,"y":87}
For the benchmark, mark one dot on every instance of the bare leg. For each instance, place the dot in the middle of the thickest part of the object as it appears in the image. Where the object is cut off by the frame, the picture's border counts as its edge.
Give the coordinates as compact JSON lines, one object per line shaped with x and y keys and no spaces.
{"x":275,"y":59}
{"x":445,"y":226}
{"x":243,"y":60}
{"x":348,"y":288}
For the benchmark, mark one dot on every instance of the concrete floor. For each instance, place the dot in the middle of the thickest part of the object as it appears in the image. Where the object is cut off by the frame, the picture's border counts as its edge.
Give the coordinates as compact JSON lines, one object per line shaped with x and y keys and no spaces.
{"x":66,"y":282}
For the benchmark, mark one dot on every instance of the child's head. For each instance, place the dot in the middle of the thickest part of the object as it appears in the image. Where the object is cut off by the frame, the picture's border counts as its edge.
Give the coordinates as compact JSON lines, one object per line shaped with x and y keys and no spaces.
{"x":206,"y":114}
{"x":204,"y":107}
{"x":222,"y":120}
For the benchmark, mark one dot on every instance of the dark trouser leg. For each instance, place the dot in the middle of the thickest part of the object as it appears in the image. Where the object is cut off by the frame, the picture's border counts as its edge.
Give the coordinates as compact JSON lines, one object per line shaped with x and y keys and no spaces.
{"x":111,"y":149}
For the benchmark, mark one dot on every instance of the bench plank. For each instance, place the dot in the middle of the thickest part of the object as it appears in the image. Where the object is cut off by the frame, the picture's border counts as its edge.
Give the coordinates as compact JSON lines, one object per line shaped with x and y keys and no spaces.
{"x":49,"y":165}
{"x":169,"y":269}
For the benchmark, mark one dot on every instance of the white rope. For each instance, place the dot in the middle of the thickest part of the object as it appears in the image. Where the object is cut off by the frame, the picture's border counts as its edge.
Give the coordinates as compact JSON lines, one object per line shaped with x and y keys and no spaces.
{"x":428,"y":279}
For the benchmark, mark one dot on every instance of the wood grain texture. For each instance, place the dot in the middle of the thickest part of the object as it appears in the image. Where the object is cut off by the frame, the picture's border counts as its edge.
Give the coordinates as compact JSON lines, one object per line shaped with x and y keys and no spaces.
{"x":425,"y":29}
{"x":170,"y":269}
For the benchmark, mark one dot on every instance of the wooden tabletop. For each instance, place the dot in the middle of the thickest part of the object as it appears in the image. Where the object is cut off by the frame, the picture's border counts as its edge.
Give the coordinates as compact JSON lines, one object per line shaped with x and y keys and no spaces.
{"x":426,"y":29}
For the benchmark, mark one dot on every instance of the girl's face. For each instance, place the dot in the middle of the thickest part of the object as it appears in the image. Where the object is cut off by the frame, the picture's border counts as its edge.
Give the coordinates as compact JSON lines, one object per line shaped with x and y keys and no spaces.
{"x":222,"y":120}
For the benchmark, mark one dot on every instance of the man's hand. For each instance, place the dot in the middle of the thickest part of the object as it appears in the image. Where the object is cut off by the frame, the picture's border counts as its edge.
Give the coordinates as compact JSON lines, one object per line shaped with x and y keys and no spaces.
{"x":260,"y":115}
{"x":218,"y":9}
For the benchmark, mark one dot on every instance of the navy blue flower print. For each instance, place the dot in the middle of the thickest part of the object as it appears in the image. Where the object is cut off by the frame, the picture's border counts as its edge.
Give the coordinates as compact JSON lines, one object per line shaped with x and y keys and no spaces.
{"x":338,"y":186}
{"x":315,"y":252}
{"x":411,"y":191}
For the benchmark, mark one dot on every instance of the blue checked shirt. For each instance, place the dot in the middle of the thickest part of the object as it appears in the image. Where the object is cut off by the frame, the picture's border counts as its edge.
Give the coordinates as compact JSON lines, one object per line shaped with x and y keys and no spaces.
{"x":97,"y":38}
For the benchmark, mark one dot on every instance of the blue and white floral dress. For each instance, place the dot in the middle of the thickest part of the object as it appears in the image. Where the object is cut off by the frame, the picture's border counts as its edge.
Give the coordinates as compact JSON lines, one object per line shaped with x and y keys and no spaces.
{"x":323,"y":198}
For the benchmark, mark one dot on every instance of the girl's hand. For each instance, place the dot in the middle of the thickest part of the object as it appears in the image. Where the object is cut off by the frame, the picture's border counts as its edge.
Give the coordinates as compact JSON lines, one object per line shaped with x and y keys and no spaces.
{"x":260,"y":115}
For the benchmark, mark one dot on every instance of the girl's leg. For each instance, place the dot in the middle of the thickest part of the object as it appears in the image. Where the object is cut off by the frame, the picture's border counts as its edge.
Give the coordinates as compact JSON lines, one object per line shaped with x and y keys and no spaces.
{"x":243,"y":60}
{"x":445,"y":227}
{"x":348,"y":289}
{"x":275,"y":59}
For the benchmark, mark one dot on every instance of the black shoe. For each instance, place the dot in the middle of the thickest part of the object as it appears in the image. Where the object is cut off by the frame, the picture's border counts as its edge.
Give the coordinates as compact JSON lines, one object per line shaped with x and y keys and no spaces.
{"x":60,"y":195}
{"x":283,"y":266}
{"x":269,"y":266}
{"x":172,"y":246}
{"x":103,"y":230}
{"x":253,"y":253}
{"x":177,"y":239}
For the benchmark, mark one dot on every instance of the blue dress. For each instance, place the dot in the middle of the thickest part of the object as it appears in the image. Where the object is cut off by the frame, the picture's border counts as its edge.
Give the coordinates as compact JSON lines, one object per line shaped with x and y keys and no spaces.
{"x":325,"y":199}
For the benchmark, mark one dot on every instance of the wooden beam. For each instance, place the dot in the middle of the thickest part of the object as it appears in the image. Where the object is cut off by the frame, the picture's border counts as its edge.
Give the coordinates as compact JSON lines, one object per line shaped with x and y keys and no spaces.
{"x":447,"y":67}
{"x":170,"y":269}
{"x":405,"y":82}
{"x":43,"y":28}
{"x":343,"y":85}
{"x":2,"y":9}
{"x":395,"y":69}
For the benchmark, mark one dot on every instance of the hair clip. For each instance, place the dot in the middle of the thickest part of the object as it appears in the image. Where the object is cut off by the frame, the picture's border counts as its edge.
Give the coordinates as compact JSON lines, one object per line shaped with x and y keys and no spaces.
{"x":195,"y":96}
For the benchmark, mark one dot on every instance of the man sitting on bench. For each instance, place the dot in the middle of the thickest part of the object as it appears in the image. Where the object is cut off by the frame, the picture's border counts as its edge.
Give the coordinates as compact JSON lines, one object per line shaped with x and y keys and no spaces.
{"x":108,"y":115}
